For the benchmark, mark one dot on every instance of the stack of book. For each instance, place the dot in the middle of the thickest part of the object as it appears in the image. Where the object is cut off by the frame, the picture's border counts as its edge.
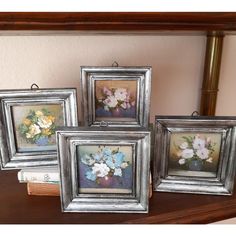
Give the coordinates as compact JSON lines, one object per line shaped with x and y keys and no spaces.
{"x":45,"y":181}
{"x":41,"y":182}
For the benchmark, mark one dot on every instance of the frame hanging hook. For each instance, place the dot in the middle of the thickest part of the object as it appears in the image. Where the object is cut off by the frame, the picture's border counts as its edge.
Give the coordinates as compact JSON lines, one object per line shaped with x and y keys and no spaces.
{"x":103,"y":124}
{"x":195,"y":113}
{"x":115,"y":64}
{"x":34,"y":87}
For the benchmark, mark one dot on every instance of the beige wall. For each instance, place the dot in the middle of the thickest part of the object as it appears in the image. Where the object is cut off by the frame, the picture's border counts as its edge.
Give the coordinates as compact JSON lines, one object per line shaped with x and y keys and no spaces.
{"x":227,"y":85}
{"x":177,"y":61}
{"x":54,"y":61}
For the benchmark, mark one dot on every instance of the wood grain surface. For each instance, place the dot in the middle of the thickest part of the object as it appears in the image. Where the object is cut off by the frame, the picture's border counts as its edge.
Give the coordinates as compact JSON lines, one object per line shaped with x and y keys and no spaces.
{"x":114,"y":21}
{"x":19,"y":208}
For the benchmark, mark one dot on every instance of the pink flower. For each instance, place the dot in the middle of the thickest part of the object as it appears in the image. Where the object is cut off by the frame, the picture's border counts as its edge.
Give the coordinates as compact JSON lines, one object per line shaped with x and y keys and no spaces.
{"x":107,"y":91}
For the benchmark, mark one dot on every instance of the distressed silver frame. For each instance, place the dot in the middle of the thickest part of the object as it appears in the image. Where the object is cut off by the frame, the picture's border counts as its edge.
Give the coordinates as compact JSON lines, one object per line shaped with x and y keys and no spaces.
{"x":143,"y":77}
{"x":223,"y":184}
{"x":72,"y":201}
{"x":9,"y":157}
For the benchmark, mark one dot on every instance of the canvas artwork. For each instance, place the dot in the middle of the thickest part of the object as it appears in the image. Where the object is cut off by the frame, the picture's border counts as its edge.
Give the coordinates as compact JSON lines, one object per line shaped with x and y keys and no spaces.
{"x":194,"y":154}
{"x":35,"y":126}
{"x":116,"y":100}
{"x":105,"y":169}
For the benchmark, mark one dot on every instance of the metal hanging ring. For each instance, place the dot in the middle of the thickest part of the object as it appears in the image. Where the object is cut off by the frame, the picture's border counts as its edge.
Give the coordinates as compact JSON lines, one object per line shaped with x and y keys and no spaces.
{"x":34,"y":86}
{"x":103,"y":124}
{"x":195,"y":113}
{"x":115,"y":64}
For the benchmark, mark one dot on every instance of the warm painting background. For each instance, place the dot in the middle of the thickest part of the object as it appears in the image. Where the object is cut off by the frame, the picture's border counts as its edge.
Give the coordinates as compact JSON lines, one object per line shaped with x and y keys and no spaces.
{"x":19,"y":113}
{"x":118,"y":184}
{"x":126,"y":115}
{"x":209,"y":169}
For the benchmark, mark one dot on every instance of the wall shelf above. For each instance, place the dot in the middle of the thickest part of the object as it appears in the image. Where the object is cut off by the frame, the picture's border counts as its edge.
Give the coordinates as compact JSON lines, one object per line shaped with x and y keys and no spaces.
{"x":118,"y":21}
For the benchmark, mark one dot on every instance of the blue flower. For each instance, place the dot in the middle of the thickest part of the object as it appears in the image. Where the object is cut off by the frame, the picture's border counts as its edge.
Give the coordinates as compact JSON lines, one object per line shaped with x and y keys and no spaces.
{"x":110,"y":162}
{"x":42,"y":141}
{"x":97,"y":156}
{"x":89,"y":175}
{"x":107,"y":152}
{"x":116,"y":160}
{"x":119,"y":158}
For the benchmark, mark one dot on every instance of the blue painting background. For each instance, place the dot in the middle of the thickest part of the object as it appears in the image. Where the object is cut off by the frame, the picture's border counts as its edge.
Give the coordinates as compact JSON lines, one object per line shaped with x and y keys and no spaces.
{"x":129,"y":113}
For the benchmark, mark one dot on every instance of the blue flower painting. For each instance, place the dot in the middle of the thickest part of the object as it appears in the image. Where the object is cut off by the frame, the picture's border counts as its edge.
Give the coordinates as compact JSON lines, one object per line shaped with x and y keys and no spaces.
{"x":105,"y":167}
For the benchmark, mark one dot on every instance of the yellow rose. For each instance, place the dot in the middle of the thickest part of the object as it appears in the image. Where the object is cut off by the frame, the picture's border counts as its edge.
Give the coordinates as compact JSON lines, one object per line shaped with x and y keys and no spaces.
{"x":39,"y":113}
{"x":27,"y":122}
{"x":52,"y":118}
{"x":46,"y":132}
{"x":44,"y":122}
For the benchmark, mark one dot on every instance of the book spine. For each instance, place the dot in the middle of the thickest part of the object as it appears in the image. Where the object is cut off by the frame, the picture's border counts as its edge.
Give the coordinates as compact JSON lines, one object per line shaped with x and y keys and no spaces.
{"x":38,"y":177}
{"x":43,"y":189}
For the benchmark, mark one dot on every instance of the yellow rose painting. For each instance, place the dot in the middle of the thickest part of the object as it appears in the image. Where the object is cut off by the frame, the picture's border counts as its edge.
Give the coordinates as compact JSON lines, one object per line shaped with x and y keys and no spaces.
{"x":35,"y":126}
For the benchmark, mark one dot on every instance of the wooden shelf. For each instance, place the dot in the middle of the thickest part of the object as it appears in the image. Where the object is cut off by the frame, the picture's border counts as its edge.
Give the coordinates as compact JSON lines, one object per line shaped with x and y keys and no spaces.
{"x":116,"y":21}
{"x":19,"y":208}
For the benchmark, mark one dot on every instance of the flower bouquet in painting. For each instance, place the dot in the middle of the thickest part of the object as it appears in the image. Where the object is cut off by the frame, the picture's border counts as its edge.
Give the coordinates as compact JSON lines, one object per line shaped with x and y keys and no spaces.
{"x":116,"y":102}
{"x":105,"y":167}
{"x":38,"y":127}
{"x":195,"y":152}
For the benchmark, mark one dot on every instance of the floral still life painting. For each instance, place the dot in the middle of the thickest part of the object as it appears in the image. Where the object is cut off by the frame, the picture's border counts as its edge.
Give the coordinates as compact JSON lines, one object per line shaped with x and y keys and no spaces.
{"x":35,"y":126}
{"x":194,"y":154}
{"x":116,"y":100}
{"x":105,"y":169}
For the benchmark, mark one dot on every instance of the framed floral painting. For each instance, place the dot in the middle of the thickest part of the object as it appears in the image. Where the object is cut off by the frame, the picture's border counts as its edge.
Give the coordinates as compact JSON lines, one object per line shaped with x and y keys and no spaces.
{"x":116,"y":96}
{"x":28,"y":120}
{"x":104,"y":169}
{"x":195,"y":154}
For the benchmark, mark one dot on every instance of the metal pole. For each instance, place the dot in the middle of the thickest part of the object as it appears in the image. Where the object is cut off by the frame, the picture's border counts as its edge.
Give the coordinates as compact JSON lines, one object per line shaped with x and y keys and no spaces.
{"x":211,"y":74}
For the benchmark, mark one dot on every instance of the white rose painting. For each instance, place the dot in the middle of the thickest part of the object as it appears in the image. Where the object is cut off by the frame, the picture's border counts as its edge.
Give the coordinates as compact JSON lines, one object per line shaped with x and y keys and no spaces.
{"x":194,"y":154}
{"x":104,"y":169}
{"x":35,"y":126}
{"x":115,"y":100}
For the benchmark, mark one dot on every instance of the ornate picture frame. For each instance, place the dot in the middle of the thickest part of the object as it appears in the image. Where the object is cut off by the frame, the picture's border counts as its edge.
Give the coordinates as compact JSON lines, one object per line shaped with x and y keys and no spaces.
{"x":195,"y":154}
{"x":104,"y":169}
{"x":28,"y":120}
{"x":116,"y":96}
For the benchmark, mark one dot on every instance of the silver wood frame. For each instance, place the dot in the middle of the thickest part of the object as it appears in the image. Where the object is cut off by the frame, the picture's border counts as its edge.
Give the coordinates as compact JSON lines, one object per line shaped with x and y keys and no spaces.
{"x":223,"y":183}
{"x":68,"y":138}
{"x":140,"y":74}
{"x":10,"y":158}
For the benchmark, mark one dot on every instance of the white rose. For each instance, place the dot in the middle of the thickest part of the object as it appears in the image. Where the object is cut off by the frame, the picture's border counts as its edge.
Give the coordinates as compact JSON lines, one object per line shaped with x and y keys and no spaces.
{"x":208,"y":140}
{"x":106,"y":108}
{"x":44,"y":122}
{"x":110,"y":101}
{"x":181,"y":161}
{"x":101,"y":170}
{"x":209,"y":160}
{"x":121,"y":94}
{"x":88,"y":160}
{"x":184,"y":145}
{"x":118,"y":172}
{"x":187,"y":153}
{"x":124,"y":165}
{"x":123,"y":105}
{"x":203,"y":153}
{"x":198,"y":143}
{"x":33,"y":130}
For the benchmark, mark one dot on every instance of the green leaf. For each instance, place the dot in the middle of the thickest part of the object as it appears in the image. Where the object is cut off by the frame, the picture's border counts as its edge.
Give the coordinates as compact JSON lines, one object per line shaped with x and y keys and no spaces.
{"x":23,"y":129}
